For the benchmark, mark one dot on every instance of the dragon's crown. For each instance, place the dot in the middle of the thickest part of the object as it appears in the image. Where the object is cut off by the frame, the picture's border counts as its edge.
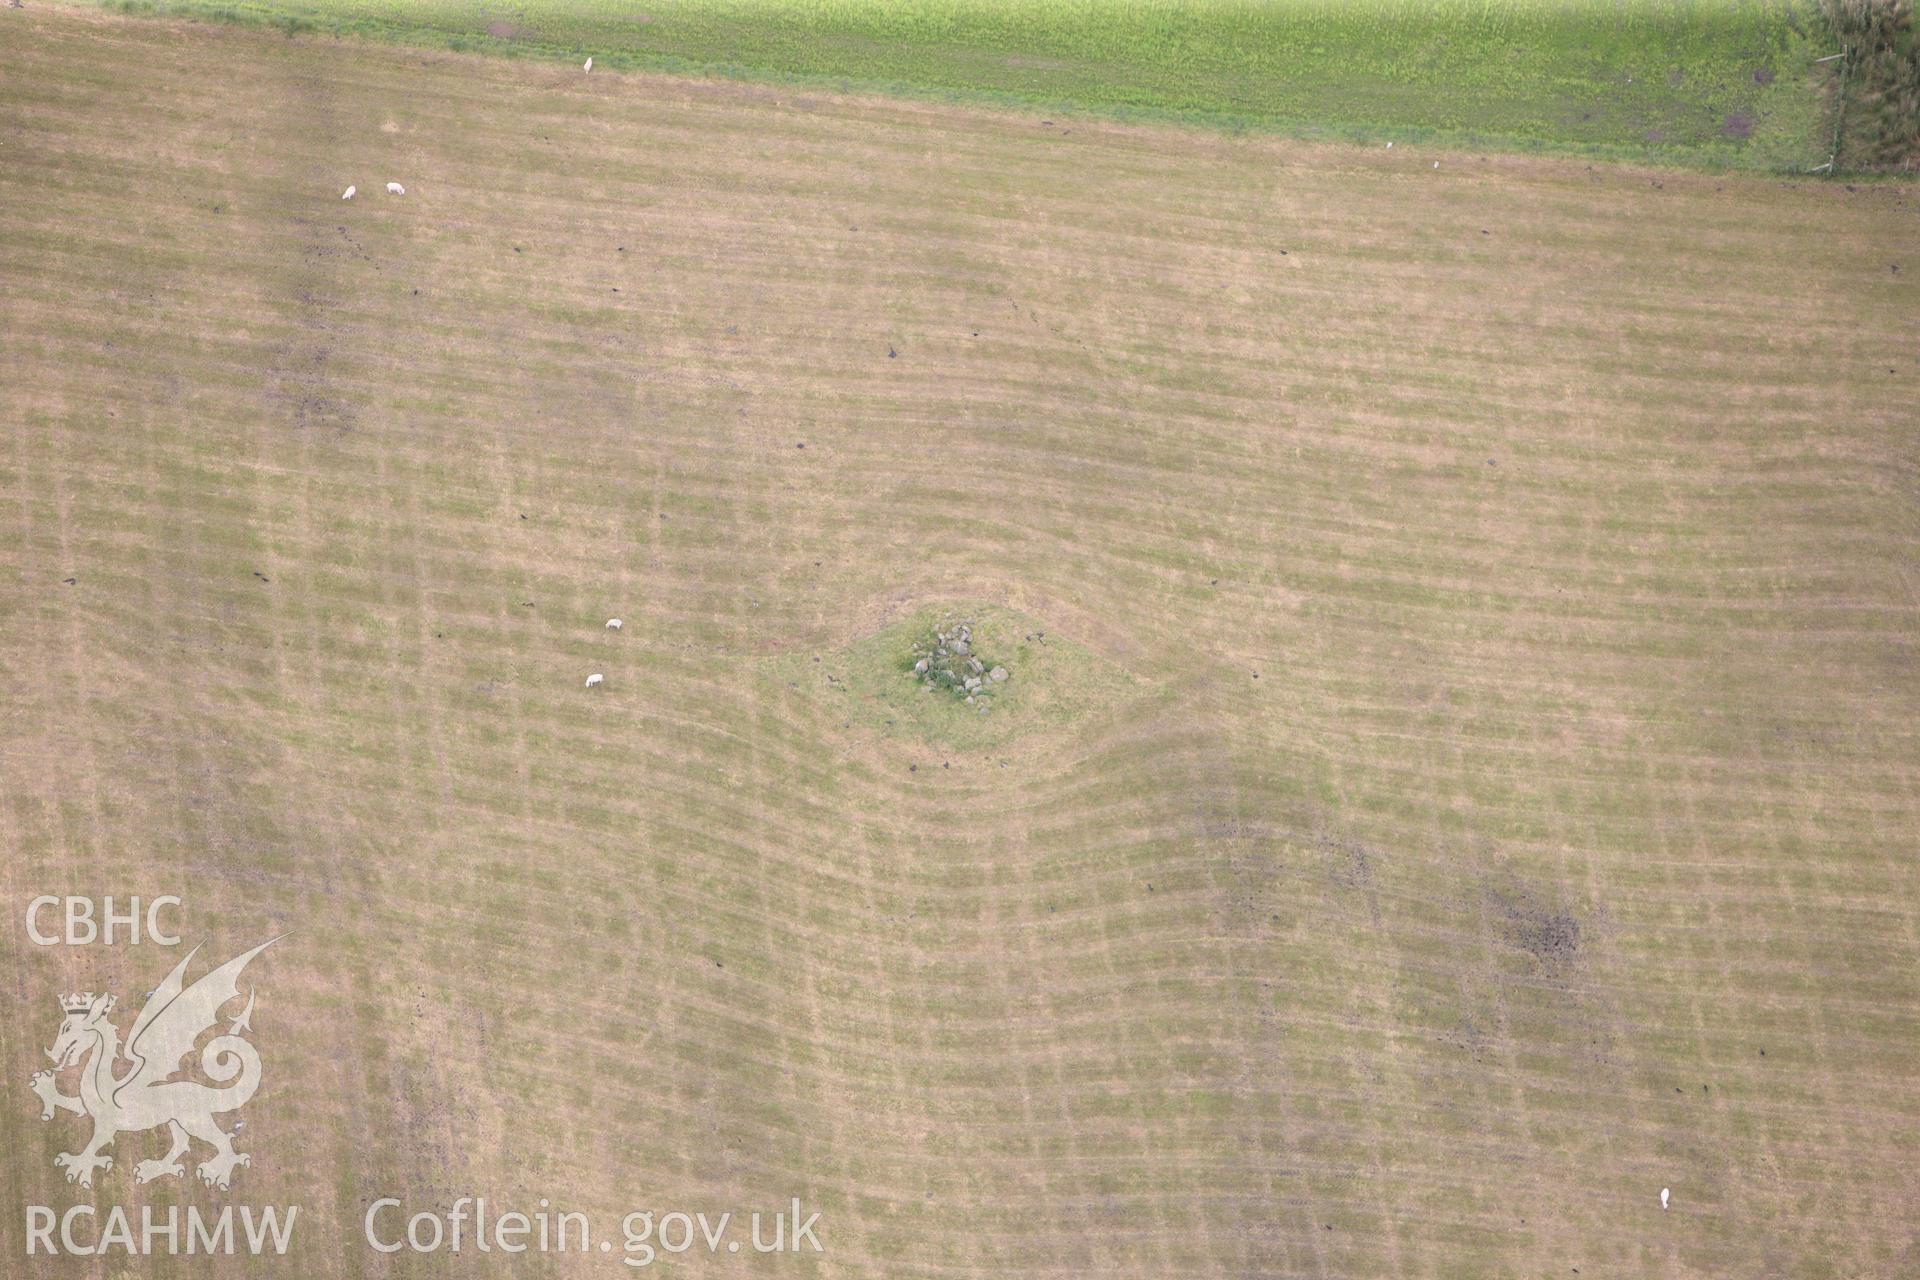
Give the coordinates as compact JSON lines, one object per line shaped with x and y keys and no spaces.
{"x":81,"y":1002}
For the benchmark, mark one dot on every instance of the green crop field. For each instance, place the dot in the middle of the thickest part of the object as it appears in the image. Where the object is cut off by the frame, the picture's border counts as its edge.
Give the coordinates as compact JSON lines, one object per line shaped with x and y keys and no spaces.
{"x":1716,"y":82}
{"x":1456,"y":777}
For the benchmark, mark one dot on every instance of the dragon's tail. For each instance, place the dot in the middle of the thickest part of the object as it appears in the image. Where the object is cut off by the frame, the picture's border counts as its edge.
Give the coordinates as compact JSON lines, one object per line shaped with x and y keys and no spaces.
{"x":231,"y":1059}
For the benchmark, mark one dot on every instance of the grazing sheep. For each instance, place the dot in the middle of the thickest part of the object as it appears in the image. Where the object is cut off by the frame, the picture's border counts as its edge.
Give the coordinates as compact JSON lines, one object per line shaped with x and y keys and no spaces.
{"x":395,"y":189}
{"x":594,"y":679}
{"x":589,"y":66}
{"x":613,"y":624}
{"x":1664,"y":1193}
{"x":348,"y":193}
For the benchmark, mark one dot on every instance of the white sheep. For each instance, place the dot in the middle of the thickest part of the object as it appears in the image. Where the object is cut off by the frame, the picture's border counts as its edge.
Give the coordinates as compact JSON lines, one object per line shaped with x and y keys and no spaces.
{"x":594,"y":679}
{"x":395,"y":189}
{"x":1664,"y":1193}
{"x":613,"y":624}
{"x":348,"y":193}
{"x":589,"y":66}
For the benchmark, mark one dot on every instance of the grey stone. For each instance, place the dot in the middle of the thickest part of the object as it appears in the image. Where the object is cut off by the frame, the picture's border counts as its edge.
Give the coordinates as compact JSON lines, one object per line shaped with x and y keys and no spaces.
{"x":960,"y":648}
{"x":998,"y":673}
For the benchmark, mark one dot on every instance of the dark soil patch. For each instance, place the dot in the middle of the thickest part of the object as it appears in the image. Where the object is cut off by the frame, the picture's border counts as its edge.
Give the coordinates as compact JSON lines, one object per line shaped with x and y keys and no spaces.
{"x":503,"y":31}
{"x":1763,"y":75}
{"x":1737,"y":125}
{"x":1554,"y":939}
{"x":1550,"y":935}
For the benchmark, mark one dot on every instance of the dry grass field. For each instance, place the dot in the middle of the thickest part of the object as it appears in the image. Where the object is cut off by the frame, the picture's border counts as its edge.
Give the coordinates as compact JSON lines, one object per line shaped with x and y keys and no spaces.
{"x":1472,"y":785}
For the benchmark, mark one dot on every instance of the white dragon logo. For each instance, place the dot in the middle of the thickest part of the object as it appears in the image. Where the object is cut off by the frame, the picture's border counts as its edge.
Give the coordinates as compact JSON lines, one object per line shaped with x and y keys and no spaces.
{"x":144,"y":1097}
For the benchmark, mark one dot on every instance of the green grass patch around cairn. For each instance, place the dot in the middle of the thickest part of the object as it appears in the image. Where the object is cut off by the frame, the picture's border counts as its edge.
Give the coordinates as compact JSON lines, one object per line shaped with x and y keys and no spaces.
{"x":1051,"y":681}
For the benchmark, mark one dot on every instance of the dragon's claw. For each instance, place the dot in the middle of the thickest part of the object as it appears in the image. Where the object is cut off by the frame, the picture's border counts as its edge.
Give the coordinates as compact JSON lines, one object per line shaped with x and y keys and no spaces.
{"x":42,"y":1084}
{"x":80,"y":1167}
{"x":218,"y":1172}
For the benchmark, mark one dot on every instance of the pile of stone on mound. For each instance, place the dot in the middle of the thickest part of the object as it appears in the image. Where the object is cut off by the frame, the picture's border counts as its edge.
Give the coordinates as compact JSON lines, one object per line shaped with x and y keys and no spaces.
{"x":945,"y":659}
